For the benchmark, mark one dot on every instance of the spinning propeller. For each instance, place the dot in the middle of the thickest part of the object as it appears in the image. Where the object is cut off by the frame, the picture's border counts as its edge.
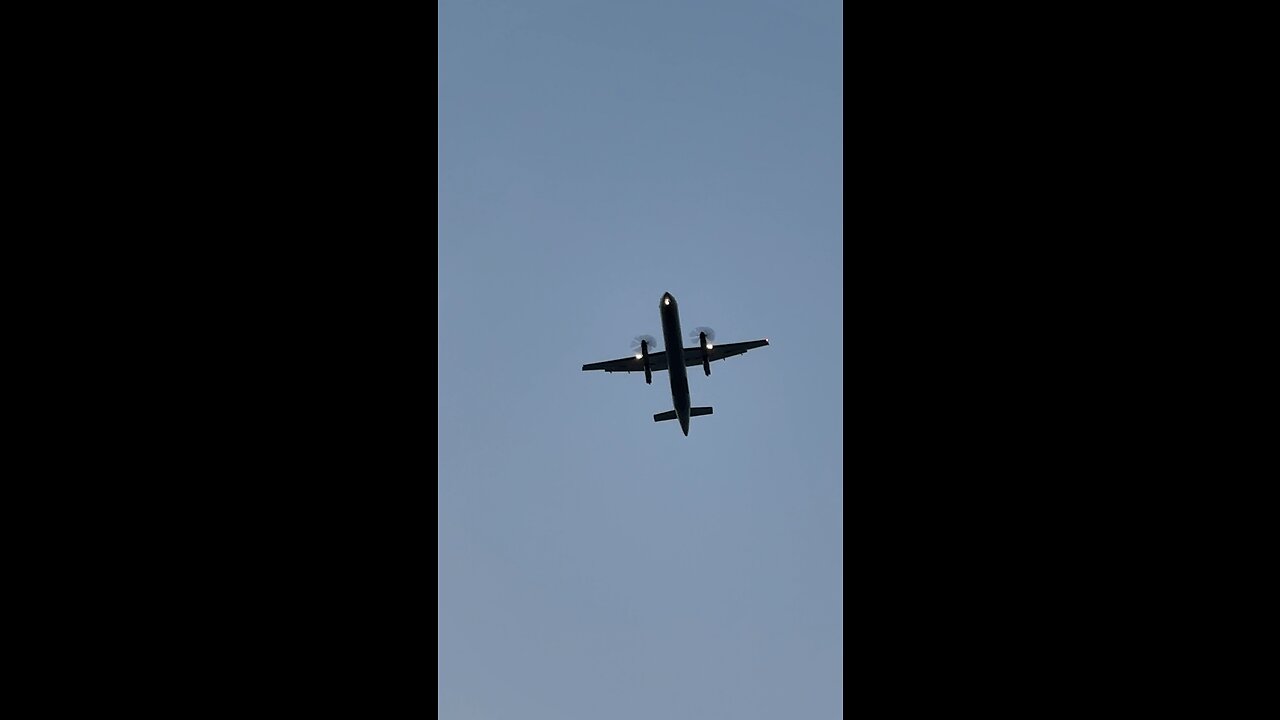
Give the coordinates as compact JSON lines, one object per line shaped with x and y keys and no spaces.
{"x":650,"y":340}
{"x":697,"y":332}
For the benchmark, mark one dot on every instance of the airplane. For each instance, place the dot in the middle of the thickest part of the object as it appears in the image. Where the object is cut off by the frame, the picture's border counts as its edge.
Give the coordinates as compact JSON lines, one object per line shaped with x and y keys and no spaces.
{"x":676,"y":358}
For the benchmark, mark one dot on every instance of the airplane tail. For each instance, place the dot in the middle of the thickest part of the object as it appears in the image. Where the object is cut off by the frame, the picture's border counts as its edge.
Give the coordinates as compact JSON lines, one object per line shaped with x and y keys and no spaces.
{"x":671,"y":414}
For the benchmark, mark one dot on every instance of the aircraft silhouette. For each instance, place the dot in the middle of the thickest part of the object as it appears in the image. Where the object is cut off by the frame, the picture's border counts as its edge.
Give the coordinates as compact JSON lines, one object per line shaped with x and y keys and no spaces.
{"x":676,"y":358}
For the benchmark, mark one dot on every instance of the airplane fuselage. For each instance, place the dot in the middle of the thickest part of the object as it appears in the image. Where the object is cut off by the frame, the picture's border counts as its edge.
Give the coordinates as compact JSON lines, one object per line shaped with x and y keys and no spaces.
{"x":673,"y":341}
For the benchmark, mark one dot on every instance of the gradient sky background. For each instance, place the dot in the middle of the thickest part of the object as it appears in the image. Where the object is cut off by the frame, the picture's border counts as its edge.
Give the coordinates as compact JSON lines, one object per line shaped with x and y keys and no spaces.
{"x":593,"y":563}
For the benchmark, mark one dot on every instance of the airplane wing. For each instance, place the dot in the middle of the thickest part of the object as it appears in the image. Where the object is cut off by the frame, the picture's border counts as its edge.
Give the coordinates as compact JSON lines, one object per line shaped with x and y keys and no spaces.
{"x":693,"y":355}
{"x":657,"y":361}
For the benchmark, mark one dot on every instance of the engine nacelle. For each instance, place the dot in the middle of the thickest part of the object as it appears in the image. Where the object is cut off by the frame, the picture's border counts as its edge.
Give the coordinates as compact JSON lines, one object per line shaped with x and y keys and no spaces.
{"x":706,"y":355}
{"x":644,"y":353}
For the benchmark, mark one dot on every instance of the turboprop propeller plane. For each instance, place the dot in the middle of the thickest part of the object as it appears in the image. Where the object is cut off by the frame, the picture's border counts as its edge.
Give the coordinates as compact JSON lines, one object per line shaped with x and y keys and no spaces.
{"x":675,"y":359}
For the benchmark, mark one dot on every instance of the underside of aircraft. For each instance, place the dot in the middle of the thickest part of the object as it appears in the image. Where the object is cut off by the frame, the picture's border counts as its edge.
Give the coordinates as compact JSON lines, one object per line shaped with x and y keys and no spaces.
{"x":675,"y":359}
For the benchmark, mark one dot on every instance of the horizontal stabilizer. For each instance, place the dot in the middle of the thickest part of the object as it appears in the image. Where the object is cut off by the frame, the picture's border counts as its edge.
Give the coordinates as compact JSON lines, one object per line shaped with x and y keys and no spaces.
{"x":671,"y":414}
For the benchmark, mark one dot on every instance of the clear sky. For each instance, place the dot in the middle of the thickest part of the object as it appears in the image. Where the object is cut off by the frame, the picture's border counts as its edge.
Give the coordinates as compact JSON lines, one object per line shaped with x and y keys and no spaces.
{"x":593,"y":563}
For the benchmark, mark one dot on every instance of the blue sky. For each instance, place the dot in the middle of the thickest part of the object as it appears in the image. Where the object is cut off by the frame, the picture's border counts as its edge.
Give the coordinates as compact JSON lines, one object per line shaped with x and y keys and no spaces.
{"x":593,"y":563}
